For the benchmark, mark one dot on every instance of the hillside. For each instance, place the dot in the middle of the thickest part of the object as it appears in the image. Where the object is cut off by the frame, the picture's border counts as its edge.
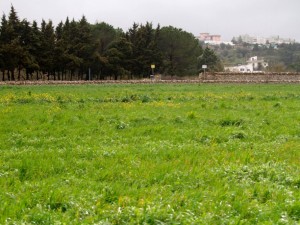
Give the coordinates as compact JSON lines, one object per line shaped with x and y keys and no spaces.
{"x":283,"y":57}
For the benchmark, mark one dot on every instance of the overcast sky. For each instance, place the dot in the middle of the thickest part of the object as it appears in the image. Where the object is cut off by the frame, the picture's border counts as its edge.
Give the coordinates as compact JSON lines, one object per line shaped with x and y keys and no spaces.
{"x":225,"y":17}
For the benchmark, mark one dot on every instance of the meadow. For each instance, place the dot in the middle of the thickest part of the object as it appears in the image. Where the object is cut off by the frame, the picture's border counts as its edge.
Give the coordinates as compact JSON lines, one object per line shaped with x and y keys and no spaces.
{"x":150,"y":154}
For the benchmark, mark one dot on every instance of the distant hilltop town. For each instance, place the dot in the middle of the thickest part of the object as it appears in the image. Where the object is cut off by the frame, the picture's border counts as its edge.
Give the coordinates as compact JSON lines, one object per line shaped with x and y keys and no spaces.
{"x":215,"y":39}
{"x":262,"y":40}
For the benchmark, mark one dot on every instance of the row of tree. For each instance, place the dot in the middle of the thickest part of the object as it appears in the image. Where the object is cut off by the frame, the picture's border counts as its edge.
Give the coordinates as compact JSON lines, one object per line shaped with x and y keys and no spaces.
{"x":78,"y":50}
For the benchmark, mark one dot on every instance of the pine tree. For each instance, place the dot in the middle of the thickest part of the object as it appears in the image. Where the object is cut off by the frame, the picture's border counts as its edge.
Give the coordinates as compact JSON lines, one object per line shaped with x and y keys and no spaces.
{"x":73,"y":60}
{"x":180,"y":51}
{"x":210,"y":59}
{"x":59,"y":51}
{"x":4,"y":40}
{"x":13,"y":47}
{"x":84,"y":46}
{"x":103,"y":35}
{"x":118,"y":55}
{"x":47,"y":49}
{"x":145,"y":48}
{"x":36,"y":48}
{"x":29,"y":42}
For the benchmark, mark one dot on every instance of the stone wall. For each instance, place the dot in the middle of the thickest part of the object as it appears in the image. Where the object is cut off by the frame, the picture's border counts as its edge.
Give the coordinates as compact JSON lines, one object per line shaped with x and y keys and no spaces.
{"x":207,"y":78}
{"x":251,"y":77}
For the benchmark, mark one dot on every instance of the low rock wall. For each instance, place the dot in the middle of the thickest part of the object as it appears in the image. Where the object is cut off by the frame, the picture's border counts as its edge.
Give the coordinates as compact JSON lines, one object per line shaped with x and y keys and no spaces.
{"x":203,"y":78}
{"x":252,"y":77}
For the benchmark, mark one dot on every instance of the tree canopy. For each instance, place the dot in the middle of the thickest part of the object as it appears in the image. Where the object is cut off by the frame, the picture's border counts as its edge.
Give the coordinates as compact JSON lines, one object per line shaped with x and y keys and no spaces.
{"x":180,"y":51}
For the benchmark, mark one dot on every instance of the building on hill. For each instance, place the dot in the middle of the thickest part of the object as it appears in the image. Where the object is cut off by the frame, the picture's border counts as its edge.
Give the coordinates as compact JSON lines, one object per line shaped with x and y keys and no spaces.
{"x":212,"y":39}
{"x":253,"y":64}
{"x":209,"y":37}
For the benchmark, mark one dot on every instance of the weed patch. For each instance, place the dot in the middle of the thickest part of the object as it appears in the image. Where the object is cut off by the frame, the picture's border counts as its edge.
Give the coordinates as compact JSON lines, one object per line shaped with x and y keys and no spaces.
{"x":231,"y":122}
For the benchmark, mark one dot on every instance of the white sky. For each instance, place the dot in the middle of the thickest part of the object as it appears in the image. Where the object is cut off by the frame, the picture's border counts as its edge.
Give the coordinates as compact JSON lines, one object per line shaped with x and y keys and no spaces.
{"x":225,"y":17}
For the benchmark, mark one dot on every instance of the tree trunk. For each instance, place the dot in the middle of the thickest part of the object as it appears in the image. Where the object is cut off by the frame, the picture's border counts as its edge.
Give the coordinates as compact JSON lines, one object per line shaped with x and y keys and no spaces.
{"x":27,"y":75}
{"x":58,"y":75}
{"x":19,"y":73}
{"x":8,"y":75}
{"x":12,"y":74}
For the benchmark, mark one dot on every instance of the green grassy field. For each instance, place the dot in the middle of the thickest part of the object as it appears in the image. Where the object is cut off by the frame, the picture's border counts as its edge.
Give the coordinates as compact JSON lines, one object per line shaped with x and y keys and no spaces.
{"x":150,"y":154}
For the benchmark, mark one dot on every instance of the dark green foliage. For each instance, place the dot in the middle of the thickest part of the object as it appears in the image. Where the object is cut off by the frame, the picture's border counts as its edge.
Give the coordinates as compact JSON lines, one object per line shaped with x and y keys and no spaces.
{"x":210,"y":59}
{"x":78,"y":50}
{"x":239,"y":135}
{"x":229,"y":122}
{"x":180,"y":51}
{"x":294,"y":211}
{"x":47,"y":46}
{"x":144,"y":39}
{"x":103,"y":35}
{"x":118,"y":56}
{"x":11,"y":47}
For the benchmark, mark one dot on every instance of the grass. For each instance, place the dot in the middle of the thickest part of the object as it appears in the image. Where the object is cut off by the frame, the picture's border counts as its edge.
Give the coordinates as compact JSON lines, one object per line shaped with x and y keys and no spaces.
{"x":150,"y":154}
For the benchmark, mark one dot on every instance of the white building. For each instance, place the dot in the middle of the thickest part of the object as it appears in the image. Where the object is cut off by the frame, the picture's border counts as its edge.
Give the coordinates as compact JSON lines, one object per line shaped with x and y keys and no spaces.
{"x":253,"y":65}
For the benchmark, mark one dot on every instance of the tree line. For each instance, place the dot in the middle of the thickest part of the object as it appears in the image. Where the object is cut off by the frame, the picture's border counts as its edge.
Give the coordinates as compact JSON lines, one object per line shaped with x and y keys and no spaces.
{"x":78,"y":50}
